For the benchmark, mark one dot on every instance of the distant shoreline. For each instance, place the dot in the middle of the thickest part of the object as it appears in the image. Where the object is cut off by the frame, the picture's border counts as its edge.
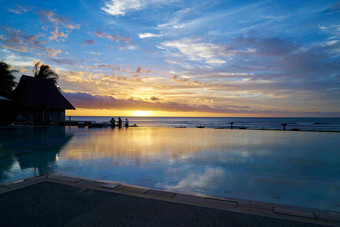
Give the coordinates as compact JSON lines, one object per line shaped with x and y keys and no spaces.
{"x":205,"y":117}
{"x":237,"y":129}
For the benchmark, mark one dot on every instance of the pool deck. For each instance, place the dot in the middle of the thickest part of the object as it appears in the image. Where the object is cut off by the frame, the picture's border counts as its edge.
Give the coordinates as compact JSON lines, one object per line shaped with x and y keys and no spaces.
{"x":60,"y":200}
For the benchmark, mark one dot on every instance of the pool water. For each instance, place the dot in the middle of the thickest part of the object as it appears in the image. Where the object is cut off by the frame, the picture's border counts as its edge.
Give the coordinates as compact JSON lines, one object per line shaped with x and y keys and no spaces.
{"x":284,"y":167}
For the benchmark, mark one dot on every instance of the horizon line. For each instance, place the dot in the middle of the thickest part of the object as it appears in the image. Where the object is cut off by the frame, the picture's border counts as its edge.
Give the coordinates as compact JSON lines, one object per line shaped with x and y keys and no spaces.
{"x":190,"y":117}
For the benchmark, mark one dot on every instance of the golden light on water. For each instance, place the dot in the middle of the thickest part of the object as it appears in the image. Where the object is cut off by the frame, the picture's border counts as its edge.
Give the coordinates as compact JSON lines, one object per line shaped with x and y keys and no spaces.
{"x":142,"y":113}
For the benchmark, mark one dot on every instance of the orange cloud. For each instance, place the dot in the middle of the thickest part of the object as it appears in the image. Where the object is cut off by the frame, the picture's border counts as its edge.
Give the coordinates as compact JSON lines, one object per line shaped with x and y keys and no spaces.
{"x":55,"y":35}
{"x":50,"y":16}
{"x":52,"y":52}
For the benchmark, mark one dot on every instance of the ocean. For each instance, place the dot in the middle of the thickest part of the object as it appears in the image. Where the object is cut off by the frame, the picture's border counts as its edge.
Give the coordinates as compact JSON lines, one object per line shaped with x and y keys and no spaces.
{"x":265,"y":123}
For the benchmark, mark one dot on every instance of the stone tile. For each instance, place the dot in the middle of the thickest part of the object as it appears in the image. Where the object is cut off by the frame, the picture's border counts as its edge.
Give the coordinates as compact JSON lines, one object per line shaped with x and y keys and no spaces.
{"x":242,"y":203}
{"x":255,"y":209}
{"x":188,"y":198}
{"x":25,"y":182}
{"x":36,"y":179}
{"x":216,"y":203}
{"x":243,"y":206}
{"x":110,"y":185}
{"x":262,"y":209}
{"x":264,"y":204}
{"x":89,"y":184}
{"x":329,"y":216}
{"x":291,"y":212}
{"x":14,"y":184}
{"x":160,"y":194}
{"x":133,"y":189}
{"x":62,"y":178}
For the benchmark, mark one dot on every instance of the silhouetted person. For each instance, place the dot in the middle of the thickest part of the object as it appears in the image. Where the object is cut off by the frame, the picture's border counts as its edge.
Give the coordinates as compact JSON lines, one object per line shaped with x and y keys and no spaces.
{"x":113,"y":122}
{"x":119,"y":122}
{"x":126,"y":122}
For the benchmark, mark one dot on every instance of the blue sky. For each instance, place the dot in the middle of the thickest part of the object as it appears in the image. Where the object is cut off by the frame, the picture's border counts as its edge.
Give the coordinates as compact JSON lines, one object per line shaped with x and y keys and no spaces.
{"x":182,"y":58}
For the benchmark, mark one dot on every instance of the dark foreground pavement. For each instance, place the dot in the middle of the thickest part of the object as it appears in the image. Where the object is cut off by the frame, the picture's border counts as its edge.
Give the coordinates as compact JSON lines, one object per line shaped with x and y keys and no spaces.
{"x":54,"y":204}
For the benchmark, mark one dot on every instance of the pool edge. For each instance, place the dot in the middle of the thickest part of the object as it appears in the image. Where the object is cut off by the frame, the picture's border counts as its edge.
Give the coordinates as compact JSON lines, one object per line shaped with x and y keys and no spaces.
{"x":300,"y":214}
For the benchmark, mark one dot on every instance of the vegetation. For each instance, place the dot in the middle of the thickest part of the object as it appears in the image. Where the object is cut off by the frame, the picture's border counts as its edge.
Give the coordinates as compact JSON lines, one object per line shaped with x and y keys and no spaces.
{"x":45,"y":72}
{"x":7,"y":80}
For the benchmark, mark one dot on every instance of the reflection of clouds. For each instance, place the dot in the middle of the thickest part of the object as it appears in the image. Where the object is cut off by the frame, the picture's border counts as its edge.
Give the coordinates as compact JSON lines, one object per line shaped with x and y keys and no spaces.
{"x":165,"y":145}
{"x":197,"y":181}
{"x":139,"y":144}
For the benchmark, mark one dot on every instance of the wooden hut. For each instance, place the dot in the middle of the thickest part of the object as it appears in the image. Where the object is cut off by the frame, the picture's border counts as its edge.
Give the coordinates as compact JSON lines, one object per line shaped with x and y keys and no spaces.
{"x":40,"y":101}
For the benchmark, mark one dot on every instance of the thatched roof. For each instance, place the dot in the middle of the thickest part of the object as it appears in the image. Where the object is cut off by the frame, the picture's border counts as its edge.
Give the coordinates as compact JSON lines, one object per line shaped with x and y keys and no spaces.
{"x":33,"y":93}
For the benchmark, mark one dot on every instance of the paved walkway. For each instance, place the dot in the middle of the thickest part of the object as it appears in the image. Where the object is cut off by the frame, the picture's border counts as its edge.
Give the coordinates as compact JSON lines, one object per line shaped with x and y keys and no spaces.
{"x":55,"y":200}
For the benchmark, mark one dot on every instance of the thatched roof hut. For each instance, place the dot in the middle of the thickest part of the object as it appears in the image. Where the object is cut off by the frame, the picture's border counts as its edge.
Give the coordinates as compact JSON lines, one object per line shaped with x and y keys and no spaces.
{"x":34,"y":93}
{"x":40,"y":100}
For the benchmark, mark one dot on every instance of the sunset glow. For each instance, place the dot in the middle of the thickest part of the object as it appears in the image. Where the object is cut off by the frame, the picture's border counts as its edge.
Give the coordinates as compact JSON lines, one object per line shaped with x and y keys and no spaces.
{"x":140,"y":113}
{"x":182,"y":58}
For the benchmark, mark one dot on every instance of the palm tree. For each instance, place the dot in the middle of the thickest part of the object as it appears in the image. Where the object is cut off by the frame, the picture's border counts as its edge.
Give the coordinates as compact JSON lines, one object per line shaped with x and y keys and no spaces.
{"x":7,"y":80}
{"x":45,"y":72}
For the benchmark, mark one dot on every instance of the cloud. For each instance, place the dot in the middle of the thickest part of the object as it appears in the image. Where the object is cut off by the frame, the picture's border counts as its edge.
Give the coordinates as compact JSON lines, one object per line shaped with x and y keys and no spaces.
{"x":19,"y":9}
{"x":140,"y":70}
{"x":215,"y":61}
{"x":197,"y":181}
{"x":88,"y":42}
{"x":65,"y":61}
{"x":95,"y":53}
{"x":333,"y":31}
{"x":16,"y":40}
{"x":126,"y":40}
{"x":226,"y":75}
{"x":14,"y":59}
{"x":153,"y":98}
{"x":50,"y":16}
{"x":52,"y":52}
{"x":56,"y":35}
{"x":148,"y":35}
{"x":175,"y":19}
{"x":121,"y":7}
{"x":112,"y":37}
{"x":85,"y":100}
{"x":194,"y":50}
{"x":127,"y":43}
{"x":13,"y":40}
{"x":116,"y":38}
{"x":268,"y":47}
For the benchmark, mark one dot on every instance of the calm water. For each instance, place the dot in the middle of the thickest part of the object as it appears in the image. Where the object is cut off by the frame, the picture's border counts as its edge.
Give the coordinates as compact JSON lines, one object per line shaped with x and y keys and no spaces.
{"x":296,"y":168}
{"x":316,"y":124}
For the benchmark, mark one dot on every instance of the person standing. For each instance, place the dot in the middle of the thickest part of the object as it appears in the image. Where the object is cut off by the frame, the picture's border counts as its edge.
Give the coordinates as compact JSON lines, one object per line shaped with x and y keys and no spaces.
{"x":119,"y":122}
{"x":126,"y":122}
{"x":113,"y":122}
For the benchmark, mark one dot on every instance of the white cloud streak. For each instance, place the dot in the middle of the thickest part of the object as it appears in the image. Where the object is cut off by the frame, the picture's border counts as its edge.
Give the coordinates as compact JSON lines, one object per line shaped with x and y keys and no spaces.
{"x":198,"y":51}
{"x":148,"y":35}
{"x":121,"y":7}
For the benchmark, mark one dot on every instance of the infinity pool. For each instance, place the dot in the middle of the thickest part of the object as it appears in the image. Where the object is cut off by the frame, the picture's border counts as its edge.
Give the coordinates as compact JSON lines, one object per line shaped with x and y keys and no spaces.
{"x":294,"y":168}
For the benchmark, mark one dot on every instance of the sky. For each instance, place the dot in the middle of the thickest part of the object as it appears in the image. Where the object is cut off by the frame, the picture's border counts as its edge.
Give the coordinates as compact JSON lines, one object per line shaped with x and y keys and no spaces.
{"x":224,"y":58}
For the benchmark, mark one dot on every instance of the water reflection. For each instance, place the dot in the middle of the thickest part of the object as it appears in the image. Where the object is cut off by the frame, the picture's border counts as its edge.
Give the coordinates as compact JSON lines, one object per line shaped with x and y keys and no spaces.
{"x":30,"y":151}
{"x":296,"y":168}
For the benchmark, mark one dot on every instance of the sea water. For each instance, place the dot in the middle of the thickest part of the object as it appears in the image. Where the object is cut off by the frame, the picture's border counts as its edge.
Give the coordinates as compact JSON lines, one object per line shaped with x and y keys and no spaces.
{"x":283,"y":167}
{"x":315,"y":124}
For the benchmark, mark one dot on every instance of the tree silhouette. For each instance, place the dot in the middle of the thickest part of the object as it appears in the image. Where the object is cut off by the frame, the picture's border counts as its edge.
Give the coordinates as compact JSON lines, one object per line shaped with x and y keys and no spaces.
{"x":7,"y":80}
{"x":43,"y":71}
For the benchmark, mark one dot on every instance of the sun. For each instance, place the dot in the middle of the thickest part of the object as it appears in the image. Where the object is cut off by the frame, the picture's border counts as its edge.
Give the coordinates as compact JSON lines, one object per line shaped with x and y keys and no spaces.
{"x":142,"y":113}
